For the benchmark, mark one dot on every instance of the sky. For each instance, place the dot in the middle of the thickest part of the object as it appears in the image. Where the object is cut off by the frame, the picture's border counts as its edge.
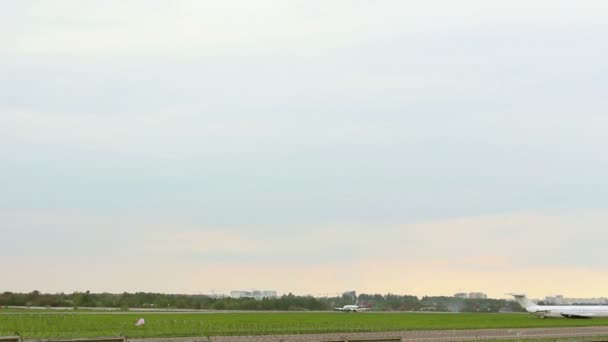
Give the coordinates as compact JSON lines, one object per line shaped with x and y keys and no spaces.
{"x":312,"y":147}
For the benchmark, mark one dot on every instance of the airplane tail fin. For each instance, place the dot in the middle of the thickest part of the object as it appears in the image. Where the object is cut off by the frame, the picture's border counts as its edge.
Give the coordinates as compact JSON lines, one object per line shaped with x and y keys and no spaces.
{"x":524,"y":301}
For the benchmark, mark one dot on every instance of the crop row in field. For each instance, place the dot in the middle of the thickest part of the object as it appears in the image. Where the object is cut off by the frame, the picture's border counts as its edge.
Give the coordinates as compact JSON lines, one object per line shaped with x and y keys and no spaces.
{"x":45,"y":325}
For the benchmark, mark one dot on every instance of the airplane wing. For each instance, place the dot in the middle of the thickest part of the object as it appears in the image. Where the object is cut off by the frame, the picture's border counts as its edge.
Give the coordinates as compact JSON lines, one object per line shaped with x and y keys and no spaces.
{"x":577,"y":314}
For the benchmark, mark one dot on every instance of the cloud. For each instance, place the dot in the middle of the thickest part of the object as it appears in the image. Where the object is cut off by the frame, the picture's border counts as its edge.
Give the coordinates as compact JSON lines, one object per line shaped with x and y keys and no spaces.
{"x":202,"y":242}
{"x":344,"y":138}
{"x":189,"y":27}
{"x":496,"y":254}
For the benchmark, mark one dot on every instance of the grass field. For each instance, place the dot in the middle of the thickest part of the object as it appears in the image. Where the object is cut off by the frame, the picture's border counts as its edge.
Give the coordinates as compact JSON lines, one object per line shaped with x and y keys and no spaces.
{"x":70,"y":324}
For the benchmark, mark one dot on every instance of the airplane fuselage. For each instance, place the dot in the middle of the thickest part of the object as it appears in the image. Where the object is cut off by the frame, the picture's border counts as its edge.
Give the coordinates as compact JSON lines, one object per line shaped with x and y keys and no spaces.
{"x":351,"y":308}
{"x":569,"y":311}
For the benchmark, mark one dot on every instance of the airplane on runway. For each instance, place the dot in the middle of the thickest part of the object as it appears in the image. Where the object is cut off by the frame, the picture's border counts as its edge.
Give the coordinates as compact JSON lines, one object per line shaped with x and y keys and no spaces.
{"x":351,"y":308}
{"x":567,"y":311}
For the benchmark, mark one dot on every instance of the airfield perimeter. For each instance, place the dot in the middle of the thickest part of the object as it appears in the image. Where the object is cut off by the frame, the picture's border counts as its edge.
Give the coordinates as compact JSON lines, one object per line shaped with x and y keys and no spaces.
{"x":288,"y":326}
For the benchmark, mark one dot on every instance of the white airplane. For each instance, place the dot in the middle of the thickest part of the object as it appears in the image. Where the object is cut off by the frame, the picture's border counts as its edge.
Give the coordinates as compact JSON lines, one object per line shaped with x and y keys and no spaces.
{"x":567,"y":311}
{"x":351,"y":308}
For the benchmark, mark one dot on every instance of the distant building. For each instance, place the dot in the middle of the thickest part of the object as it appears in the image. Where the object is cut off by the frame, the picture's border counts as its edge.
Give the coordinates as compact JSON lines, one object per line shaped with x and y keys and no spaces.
{"x":554,"y":300}
{"x":477,"y":295}
{"x":596,"y":301}
{"x":257,"y":294}
{"x":240,"y":294}
{"x":351,"y":294}
{"x":471,"y":295}
{"x":561,"y":300}
{"x":269,"y":294}
{"x":215,"y":295}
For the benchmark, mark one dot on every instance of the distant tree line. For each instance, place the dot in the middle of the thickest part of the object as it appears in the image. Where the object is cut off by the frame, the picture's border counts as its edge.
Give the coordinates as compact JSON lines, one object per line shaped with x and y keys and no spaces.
{"x":290,"y":302}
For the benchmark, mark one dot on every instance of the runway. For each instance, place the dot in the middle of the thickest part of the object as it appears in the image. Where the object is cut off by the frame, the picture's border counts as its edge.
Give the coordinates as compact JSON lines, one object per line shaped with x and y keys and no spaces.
{"x":413,"y":336}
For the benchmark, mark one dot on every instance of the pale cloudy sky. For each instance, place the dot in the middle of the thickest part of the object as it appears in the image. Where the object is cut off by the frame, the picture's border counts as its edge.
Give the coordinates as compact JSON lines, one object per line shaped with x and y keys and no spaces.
{"x":425,"y":147}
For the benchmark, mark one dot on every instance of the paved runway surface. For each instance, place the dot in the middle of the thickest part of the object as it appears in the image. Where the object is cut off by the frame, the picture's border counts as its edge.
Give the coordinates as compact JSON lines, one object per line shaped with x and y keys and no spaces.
{"x":412,"y":336}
